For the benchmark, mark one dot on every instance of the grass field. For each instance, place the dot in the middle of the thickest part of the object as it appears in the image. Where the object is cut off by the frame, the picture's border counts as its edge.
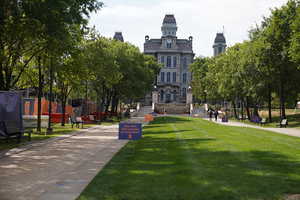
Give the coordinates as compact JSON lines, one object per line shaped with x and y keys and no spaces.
{"x":191,"y":158}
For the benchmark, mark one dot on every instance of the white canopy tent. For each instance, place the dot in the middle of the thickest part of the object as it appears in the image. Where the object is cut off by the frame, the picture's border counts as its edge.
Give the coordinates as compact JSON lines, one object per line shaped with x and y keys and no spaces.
{"x":297,"y":107}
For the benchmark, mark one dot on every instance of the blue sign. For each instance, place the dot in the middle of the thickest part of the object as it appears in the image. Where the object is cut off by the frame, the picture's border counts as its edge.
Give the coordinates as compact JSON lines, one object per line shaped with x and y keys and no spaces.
{"x":154,"y":114}
{"x":255,"y":119}
{"x":224,"y":119}
{"x":130,"y":131}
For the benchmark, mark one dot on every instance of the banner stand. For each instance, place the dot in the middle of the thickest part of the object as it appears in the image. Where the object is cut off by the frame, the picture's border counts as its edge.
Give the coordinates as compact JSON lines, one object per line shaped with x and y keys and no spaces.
{"x":128,"y":149}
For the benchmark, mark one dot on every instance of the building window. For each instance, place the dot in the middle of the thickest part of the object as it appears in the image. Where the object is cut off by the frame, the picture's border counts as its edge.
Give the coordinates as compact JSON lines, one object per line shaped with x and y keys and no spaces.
{"x":219,"y":50}
{"x":174,"y":77}
{"x":162,"y":77}
{"x":184,"y":92}
{"x":161,"y":95}
{"x":174,"y":97}
{"x":184,"y":78}
{"x":169,"y":45}
{"x":163,"y":60}
{"x":184,"y":63}
{"x":168,"y":77}
{"x":169,"y":61}
{"x":175,"y":62}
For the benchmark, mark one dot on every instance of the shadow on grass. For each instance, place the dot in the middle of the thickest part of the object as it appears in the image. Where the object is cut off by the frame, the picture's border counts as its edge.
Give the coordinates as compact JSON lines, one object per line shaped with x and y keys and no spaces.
{"x":158,"y":172}
{"x":195,"y":168}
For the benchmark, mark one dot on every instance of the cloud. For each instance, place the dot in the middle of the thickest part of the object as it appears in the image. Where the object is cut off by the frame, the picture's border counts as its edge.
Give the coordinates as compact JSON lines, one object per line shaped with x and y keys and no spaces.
{"x":198,"y":18}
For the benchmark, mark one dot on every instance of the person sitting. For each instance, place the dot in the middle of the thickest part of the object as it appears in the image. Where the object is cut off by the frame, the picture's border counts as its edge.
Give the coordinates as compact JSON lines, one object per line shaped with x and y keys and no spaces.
{"x":127,"y":113}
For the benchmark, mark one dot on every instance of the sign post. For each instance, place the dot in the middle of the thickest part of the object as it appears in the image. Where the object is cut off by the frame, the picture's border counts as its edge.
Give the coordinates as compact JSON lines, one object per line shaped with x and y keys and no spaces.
{"x":255,"y":119}
{"x":130,"y":131}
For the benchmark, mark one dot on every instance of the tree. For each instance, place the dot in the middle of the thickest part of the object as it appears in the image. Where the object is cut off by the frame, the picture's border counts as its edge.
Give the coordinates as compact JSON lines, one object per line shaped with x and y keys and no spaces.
{"x":48,"y":22}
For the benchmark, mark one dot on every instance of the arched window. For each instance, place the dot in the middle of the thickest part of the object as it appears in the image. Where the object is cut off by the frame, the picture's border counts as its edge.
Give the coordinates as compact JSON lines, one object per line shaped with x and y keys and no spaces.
{"x":169,"y":61}
{"x":184,"y":78}
{"x":168,"y":77}
{"x":184,"y":63}
{"x":162,"y":77}
{"x":219,"y":50}
{"x":183,"y":92}
{"x":174,"y":77}
{"x":174,"y":95}
{"x":163,"y":60}
{"x":161,"y":95}
{"x":175,"y":62}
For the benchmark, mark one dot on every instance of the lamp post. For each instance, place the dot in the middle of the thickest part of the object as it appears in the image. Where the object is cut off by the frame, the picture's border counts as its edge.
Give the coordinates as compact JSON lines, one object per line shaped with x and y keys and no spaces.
{"x":280,"y":101}
{"x":100,"y":110}
{"x":49,"y":130}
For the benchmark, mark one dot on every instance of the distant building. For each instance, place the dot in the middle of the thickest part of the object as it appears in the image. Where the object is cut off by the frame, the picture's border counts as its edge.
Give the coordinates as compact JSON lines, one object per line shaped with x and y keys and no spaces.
{"x":118,"y":36}
{"x":219,"y":45}
{"x":176,"y":54}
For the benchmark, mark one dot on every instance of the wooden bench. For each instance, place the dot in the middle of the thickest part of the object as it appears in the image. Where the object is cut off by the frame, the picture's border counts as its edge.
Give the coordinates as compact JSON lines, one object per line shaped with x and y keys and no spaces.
{"x":12,"y":128}
{"x":74,"y":121}
{"x":283,"y":123}
{"x":93,"y":120}
{"x":243,"y":119}
{"x":263,"y":121}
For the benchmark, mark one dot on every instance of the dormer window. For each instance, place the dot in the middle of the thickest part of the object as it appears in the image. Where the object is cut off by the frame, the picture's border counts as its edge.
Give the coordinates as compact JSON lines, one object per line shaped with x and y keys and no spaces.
{"x":169,"y":44}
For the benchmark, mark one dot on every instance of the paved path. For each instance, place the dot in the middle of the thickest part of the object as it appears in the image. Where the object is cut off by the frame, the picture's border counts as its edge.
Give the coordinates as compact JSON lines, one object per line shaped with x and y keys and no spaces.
{"x":58,"y":168}
{"x":286,"y":131}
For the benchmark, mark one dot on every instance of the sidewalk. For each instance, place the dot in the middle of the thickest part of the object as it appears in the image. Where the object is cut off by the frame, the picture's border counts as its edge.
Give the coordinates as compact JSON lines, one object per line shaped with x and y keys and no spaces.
{"x":60,"y":167}
{"x":286,"y":131}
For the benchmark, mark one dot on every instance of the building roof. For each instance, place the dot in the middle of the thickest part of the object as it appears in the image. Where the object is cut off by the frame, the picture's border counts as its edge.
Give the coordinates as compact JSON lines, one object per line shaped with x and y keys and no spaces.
{"x":169,"y":18}
{"x":118,"y":36}
{"x":220,"y":38}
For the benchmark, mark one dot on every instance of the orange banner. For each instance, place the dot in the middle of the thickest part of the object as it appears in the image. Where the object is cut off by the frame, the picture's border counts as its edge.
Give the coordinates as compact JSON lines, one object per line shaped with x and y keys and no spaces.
{"x":148,"y":118}
{"x":27,"y":106}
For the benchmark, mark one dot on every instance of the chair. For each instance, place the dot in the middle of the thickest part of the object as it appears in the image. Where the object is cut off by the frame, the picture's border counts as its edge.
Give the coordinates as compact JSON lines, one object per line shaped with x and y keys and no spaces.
{"x":93,"y":120}
{"x":263,"y":121}
{"x":283,"y":123}
{"x":74,"y":121}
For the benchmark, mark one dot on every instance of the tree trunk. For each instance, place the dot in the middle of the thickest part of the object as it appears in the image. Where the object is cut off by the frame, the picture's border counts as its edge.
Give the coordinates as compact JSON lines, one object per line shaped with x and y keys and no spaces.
{"x":248,"y":107}
{"x":112,"y":104}
{"x":41,"y":79}
{"x":242,"y":102}
{"x":270,"y":104}
{"x":255,"y":113}
{"x":234,"y":108}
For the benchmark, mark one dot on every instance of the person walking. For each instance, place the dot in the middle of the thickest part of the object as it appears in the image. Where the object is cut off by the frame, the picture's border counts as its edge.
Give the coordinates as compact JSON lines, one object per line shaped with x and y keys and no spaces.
{"x":216,"y":114}
{"x":210,"y":114}
{"x":165,"y":111}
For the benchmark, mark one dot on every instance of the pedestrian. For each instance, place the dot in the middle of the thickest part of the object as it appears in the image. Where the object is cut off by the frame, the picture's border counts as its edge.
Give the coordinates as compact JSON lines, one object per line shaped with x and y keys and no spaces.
{"x":216,"y":114}
{"x":165,"y":111}
{"x":210,"y":114}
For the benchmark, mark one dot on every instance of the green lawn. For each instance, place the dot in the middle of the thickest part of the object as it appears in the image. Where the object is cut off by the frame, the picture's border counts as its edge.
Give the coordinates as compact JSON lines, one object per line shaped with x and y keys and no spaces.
{"x":191,"y":158}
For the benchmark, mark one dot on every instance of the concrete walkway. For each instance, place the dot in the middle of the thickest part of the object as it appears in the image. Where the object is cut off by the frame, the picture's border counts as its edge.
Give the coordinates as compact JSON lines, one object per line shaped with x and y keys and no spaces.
{"x":286,"y":131}
{"x":60,"y":167}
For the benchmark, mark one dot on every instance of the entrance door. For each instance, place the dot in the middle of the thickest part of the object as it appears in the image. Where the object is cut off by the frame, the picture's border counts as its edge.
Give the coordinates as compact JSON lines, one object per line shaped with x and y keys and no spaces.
{"x":168,"y":98}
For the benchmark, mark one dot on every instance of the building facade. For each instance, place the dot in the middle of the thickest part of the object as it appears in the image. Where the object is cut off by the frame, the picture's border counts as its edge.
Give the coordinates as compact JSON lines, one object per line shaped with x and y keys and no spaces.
{"x":175,"y":54}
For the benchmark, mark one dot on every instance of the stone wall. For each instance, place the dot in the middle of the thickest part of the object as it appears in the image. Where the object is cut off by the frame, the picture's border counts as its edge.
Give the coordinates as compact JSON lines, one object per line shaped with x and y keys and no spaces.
{"x":172,"y":108}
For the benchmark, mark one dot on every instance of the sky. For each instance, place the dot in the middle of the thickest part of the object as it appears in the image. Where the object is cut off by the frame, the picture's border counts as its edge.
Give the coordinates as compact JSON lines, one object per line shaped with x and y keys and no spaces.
{"x":201,"y":19}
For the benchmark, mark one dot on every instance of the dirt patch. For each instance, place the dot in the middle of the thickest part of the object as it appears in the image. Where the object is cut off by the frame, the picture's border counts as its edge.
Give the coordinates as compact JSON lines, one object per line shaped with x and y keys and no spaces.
{"x":291,"y":196}
{"x":274,"y":113}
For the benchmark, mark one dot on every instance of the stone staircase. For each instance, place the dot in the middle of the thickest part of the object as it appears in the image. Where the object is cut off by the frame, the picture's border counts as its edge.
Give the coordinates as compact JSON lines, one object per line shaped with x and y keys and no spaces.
{"x":144,"y":111}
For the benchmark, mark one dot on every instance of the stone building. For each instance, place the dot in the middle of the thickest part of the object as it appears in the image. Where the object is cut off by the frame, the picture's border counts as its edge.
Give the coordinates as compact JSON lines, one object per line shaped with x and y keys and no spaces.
{"x":219,"y":45}
{"x":118,"y":36}
{"x":176,"y":54}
